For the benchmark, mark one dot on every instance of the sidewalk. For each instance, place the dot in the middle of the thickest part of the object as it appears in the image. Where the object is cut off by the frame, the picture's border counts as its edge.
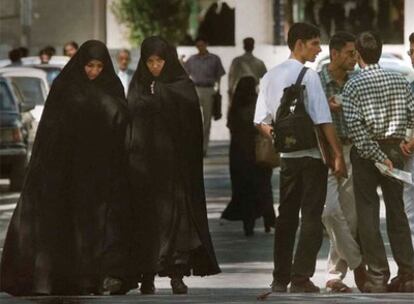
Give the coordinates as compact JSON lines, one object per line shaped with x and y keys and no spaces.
{"x":246,"y":263}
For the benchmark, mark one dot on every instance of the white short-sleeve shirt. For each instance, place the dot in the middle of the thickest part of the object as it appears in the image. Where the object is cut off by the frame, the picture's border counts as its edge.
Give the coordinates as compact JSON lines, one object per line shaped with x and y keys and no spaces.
{"x":271,"y":91}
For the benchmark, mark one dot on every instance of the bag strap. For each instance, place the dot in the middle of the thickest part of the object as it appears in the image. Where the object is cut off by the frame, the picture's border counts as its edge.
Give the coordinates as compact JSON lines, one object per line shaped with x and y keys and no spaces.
{"x":301,"y":75}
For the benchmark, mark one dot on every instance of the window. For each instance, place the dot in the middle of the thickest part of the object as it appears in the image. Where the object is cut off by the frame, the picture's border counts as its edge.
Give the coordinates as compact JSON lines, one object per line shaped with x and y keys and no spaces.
{"x":355,"y":16}
{"x":6,"y":99}
{"x":31,"y":88}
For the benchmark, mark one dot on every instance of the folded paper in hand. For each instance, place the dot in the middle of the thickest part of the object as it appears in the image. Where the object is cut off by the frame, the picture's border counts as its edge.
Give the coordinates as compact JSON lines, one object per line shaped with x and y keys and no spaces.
{"x":401,"y":175}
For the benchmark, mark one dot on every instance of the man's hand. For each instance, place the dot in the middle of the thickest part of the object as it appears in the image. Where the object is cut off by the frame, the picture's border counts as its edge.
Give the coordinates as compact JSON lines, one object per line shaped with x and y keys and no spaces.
{"x":407,"y":148}
{"x":333,"y":105}
{"x":389,"y":164}
{"x":265,"y":130}
{"x":340,"y":167}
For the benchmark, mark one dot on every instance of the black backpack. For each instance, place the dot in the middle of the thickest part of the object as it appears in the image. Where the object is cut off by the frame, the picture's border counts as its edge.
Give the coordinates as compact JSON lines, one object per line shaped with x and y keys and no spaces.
{"x":293,"y":128}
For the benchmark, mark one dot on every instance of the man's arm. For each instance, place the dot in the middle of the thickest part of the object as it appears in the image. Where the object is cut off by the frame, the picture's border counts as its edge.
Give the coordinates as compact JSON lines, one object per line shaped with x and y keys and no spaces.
{"x":329,"y":131}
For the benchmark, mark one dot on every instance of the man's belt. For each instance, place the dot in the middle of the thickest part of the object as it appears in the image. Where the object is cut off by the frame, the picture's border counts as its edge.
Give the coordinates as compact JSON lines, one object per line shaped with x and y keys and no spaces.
{"x":390,"y":141}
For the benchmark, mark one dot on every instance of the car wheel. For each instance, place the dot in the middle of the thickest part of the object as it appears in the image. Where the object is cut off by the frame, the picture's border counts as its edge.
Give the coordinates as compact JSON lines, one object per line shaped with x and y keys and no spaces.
{"x":17,"y":175}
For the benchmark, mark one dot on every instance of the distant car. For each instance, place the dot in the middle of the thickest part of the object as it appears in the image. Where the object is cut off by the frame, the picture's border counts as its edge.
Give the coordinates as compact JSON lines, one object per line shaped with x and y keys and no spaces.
{"x":34,"y":60}
{"x":388,"y":61}
{"x":33,"y":85}
{"x":15,"y":126}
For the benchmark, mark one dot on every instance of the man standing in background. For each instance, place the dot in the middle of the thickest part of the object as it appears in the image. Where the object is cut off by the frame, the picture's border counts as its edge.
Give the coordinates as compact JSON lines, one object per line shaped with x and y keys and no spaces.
{"x":245,"y":65}
{"x":123,"y":58}
{"x":205,"y":69}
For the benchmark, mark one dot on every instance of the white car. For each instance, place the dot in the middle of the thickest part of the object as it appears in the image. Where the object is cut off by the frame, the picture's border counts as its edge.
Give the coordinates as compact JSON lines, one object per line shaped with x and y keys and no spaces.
{"x":32,"y":85}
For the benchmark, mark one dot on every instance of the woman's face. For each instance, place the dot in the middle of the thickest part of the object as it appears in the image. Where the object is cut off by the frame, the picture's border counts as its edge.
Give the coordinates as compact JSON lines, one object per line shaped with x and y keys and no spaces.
{"x":155,"y":65}
{"x":93,"y":68}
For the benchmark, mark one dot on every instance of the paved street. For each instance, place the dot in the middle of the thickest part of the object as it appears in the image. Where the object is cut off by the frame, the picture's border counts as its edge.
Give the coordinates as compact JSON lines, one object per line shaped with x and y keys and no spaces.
{"x":246,"y":262}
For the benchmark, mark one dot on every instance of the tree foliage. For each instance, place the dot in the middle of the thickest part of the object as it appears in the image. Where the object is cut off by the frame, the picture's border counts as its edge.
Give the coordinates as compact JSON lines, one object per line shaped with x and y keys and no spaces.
{"x":144,"y":18}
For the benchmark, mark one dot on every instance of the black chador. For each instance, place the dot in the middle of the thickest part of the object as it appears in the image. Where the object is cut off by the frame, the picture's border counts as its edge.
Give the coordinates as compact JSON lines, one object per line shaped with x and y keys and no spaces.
{"x":166,"y":169}
{"x":251,"y":184}
{"x":56,"y":237}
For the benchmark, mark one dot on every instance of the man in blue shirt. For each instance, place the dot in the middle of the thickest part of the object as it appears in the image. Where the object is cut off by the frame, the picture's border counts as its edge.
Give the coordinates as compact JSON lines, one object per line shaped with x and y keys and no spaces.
{"x":205,"y":69}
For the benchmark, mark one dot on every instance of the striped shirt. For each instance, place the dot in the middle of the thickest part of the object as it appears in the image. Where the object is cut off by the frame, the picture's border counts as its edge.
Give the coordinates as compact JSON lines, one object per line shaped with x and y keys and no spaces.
{"x":331,"y":88}
{"x":377,"y":105}
{"x":204,"y":70}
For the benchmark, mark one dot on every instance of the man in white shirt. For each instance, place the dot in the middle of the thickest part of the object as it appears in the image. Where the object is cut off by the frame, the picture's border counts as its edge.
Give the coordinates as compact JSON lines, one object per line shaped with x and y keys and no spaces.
{"x":123,"y":58}
{"x":303,"y":175}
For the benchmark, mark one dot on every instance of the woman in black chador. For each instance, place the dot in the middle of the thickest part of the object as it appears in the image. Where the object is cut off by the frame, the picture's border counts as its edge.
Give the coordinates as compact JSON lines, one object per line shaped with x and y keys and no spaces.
{"x":166,"y":171}
{"x":56,"y":238}
{"x":251,"y":184}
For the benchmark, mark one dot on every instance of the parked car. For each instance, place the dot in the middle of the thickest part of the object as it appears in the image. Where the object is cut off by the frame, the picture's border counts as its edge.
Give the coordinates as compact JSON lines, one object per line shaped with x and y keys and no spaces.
{"x":33,"y":85}
{"x":15,"y":125}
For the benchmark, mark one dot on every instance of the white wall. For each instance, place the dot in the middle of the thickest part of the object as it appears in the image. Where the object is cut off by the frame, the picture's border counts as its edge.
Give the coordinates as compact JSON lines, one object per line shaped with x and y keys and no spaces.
{"x":254,"y":19}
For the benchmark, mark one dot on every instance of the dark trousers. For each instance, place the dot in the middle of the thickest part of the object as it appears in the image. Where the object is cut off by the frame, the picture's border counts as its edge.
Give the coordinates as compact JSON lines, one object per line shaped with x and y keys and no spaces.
{"x":366,"y":180}
{"x":303,"y":183}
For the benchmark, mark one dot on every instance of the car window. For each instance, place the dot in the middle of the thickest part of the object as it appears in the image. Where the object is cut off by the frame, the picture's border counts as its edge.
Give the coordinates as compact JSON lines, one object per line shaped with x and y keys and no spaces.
{"x":6,"y":99}
{"x":31,"y":89}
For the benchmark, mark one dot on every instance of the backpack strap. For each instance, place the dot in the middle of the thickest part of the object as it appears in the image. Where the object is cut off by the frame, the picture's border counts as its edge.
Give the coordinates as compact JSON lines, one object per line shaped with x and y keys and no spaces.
{"x":301,"y":75}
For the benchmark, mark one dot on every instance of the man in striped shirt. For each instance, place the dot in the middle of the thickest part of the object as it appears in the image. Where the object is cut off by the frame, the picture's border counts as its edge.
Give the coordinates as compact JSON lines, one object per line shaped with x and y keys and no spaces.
{"x":379,"y":107}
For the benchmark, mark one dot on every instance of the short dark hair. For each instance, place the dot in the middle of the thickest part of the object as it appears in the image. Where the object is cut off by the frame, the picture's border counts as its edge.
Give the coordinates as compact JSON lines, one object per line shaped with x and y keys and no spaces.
{"x":44,"y":52}
{"x":369,"y":46}
{"x":24,"y":51}
{"x":340,"y":39}
{"x":411,"y":38}
{"x":201,"y":38}
{"x":51,"y":50}
{"x":15,"y":55}
{"x":301,"y":31}
{"x":248,"y":44}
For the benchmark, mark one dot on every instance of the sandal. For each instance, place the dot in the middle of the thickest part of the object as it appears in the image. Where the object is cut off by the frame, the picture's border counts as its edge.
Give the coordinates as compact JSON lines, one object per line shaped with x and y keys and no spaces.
{"x":337,"y":286}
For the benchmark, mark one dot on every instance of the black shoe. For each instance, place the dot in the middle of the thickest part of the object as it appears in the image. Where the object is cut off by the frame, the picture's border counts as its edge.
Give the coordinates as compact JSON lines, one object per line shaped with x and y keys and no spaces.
{"x":147,"y":284}
{"x":178,"y":286}
{"x":303,"y":286}
{"x":113,"y":285}
{"x":278,"y":287}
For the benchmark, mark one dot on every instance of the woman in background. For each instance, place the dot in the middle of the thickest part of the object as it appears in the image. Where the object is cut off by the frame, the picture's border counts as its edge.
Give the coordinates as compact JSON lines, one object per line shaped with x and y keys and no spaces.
{"x":251,"y":184}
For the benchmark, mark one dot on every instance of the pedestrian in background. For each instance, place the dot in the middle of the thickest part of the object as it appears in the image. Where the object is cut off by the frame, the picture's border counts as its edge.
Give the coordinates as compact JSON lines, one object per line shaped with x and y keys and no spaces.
{"x":245,"y":65}
{"x":409,"y":166}
{"x":339,"y":214}
{"x":206,"y":70}
{"x":172,"y":236}
{"x":57,"y":235}
{"x":15,"y":57}
{"x":44,"y":56}
{"x":123,"y":58}
{"x":379,"y":107}
{"x":252,"y":195}
{"x":303,"y":175}
{"x":70,"y":48}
